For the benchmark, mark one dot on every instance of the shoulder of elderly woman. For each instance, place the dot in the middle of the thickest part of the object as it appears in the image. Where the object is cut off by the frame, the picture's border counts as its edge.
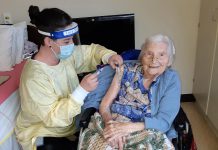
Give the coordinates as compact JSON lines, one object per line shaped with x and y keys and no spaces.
{"x":170,"y":76}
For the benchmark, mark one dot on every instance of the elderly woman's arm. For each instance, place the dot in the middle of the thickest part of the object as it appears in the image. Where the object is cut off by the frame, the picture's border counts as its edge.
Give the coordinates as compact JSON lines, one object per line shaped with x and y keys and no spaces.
{"x":168,"y":108}
{"x":168,"y":105}
{"x":108,"y":99}
{"x":115,"y":132}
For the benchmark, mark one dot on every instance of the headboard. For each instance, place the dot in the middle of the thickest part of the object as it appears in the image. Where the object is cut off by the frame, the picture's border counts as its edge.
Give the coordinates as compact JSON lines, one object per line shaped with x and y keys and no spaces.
{"x":116,"y":32}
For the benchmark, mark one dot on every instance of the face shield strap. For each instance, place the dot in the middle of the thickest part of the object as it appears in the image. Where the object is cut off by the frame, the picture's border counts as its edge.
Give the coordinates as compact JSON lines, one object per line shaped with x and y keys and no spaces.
{"x":62,"y":33}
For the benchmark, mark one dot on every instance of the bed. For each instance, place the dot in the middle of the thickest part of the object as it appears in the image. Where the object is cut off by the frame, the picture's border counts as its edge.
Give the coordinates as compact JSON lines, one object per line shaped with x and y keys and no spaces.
{"x":9,"y":107}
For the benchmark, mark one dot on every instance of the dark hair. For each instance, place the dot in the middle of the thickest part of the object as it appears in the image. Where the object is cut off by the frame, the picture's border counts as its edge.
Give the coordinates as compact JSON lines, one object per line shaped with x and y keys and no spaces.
{"x":49,"y":19}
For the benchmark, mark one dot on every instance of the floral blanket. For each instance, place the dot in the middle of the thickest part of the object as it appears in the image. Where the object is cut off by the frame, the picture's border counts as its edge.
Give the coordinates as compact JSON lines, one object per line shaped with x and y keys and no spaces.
{"x":150,"y":139}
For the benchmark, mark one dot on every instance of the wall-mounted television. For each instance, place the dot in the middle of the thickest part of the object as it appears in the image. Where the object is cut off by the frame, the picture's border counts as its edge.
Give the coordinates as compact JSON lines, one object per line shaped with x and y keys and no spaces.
{"x":116,"y":32}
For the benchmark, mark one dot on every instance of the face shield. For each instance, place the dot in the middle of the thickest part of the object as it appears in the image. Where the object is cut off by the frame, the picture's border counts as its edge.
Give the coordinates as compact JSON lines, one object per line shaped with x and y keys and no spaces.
{"x":71,"y":30}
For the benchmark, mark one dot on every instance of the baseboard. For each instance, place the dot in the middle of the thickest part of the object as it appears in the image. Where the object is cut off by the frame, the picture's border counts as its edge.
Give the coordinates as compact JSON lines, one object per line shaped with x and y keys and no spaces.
{"x":210,"y":124}
{"x":187,"y":98}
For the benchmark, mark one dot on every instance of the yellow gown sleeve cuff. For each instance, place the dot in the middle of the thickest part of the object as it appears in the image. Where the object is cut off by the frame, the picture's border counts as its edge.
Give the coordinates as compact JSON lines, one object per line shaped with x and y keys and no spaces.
{"x":79,"y":94}
{"x":106,"y":57}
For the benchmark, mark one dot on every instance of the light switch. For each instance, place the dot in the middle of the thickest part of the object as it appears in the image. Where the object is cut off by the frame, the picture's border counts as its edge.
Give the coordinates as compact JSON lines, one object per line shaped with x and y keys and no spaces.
{"x":215,"y":15}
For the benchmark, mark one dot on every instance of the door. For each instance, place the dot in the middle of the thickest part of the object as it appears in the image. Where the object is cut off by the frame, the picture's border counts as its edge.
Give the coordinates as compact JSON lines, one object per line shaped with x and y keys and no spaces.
{"x":213,"y":98}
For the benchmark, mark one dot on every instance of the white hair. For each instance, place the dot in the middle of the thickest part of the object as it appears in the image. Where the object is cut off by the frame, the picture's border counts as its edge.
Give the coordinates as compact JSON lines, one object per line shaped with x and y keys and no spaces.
{"x":159,"y":38}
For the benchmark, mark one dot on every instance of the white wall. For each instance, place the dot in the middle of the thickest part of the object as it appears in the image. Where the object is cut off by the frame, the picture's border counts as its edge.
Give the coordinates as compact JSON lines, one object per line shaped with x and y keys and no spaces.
{"x":176,"y":18}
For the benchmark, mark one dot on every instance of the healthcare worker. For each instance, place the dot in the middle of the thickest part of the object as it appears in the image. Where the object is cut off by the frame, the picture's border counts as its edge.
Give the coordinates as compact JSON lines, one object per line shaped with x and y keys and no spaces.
{"x":51,"y":95}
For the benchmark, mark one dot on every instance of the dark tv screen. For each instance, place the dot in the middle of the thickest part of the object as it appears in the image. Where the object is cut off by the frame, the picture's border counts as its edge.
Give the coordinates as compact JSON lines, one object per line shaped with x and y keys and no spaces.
{"x":116,"y":32}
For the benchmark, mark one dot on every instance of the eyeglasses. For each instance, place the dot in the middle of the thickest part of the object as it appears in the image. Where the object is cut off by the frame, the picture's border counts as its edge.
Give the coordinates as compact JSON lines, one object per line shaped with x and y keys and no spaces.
{"x":155,"y":56}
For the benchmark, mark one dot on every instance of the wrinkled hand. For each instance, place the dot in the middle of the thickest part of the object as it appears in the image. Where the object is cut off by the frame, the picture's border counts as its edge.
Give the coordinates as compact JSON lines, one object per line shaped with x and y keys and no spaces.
{"x":89,"y":82}
{"x":118,"y":143}
{"x":115,"y":133}
{"x":115,"y":60}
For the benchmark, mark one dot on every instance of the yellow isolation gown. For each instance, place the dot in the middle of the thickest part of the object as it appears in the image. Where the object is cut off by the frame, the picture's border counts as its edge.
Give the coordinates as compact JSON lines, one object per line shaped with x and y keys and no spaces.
{"x":47,"y":106}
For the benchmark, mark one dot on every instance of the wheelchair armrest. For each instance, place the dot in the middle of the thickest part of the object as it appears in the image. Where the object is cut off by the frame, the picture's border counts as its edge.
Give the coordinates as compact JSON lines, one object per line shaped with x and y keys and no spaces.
{"x":86,"y":116}
{"x":183,"y":127}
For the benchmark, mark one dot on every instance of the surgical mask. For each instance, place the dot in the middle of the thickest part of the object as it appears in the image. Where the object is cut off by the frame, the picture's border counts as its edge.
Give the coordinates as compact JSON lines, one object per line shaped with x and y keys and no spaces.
{"x":65,"y":51}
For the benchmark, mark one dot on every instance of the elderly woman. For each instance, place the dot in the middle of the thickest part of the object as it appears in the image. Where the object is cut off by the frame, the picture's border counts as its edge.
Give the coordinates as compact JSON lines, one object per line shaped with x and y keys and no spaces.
{"x":142,"y":101}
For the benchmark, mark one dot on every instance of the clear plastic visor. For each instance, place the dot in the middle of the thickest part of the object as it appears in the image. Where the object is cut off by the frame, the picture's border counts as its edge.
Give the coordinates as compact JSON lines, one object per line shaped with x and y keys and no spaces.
{"x":72,"y":30}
